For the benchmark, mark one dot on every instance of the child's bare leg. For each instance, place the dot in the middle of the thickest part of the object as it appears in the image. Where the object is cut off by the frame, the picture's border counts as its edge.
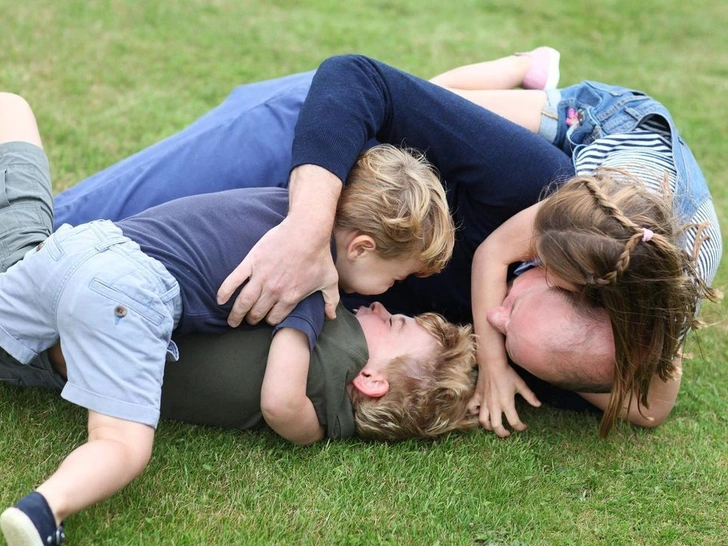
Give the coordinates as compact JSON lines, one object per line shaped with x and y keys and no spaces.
{"x":17,"y":121}
{"x":521,"y":106}
{"x":116,"y":452}
{"x":494,"y":85}
{"x":503,"y":73}
{"x":537,"y":69}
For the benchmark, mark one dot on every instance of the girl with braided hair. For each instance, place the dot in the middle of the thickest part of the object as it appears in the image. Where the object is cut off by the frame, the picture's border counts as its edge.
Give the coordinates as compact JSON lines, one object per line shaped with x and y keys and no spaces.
{"x":611,"y":243}
{"x":634,"y":232}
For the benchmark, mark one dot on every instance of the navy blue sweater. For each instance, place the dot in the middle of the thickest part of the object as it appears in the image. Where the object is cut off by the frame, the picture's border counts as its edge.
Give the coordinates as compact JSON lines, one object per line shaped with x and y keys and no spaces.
{"x":490,"y":167}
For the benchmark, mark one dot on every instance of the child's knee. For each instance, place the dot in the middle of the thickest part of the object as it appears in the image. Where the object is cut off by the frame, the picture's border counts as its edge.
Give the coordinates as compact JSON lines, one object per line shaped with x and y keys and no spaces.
{"x":135,"y":440}
{"x":17,"y":121}
{"x":12,"y":101}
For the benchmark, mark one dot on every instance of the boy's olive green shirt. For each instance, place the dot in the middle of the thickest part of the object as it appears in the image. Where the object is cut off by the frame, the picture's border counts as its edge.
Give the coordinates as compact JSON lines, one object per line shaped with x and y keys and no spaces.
{"x":218,"y":382}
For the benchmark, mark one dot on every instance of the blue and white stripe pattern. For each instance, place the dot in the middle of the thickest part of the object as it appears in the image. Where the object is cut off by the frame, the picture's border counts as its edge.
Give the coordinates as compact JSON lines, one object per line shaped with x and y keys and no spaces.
{"x":647,"y":155}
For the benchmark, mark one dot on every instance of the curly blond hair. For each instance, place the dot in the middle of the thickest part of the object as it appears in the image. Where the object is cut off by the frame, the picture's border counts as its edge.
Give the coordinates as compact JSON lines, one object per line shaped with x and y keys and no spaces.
{"x":426,"y":398}
{"x":395,"y":196}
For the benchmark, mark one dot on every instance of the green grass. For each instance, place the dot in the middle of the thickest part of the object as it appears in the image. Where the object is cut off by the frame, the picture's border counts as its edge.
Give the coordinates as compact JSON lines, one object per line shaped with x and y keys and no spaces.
{"x":108,"y":77}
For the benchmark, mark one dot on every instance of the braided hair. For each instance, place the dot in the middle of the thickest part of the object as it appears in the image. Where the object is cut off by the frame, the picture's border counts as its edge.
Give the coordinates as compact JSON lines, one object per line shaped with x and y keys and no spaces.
{"x":617,"y":240}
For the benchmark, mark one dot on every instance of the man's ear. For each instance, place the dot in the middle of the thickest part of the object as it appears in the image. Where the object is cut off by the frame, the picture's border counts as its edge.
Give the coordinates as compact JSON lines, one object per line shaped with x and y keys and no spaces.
{"x":360,"y":245}
{"x":372,"y":384}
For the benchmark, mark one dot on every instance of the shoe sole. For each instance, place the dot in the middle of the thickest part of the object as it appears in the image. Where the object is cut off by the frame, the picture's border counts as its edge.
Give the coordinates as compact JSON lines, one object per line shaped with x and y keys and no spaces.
{"x":18,"y":529}
{"x":552,"y":79}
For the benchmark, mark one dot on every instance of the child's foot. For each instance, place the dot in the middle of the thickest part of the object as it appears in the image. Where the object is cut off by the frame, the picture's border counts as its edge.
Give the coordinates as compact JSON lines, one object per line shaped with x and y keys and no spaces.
{"x":544,"y":70}
{"x":31,"y":523}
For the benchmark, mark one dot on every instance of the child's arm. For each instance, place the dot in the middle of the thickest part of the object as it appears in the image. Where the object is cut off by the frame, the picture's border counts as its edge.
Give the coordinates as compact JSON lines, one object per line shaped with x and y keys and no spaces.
{"x":283,"y":400}
{"x":498,"y":383}
{"x":661,"y":397}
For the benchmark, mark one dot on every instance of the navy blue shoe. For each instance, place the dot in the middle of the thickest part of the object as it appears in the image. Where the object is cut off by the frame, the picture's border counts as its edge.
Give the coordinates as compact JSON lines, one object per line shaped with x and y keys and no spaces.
{"x":31,"y":523}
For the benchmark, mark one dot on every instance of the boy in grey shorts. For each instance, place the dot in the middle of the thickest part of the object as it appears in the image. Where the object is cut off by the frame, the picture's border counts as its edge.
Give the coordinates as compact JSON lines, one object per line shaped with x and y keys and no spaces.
{"x":26,"y":215}
{"x":114,"y":302}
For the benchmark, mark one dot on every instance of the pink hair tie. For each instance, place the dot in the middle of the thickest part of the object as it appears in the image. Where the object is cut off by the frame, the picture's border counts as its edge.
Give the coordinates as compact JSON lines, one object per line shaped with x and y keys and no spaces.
{"x":647,"y":235}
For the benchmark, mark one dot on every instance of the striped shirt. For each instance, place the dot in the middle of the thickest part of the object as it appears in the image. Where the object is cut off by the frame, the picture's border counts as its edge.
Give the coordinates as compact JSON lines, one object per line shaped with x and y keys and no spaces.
{"x":646,"y":153}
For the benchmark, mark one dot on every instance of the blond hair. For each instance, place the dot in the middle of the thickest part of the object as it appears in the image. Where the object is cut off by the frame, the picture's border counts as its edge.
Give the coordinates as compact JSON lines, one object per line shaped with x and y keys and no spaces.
{"x":395,"y":196}
{"x":426,"y":398}
{"x":618,"y":240}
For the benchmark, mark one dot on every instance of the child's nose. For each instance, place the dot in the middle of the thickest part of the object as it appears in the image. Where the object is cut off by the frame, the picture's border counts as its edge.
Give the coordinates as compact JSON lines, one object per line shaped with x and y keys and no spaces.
{"x":498,"y":318}
{"x":379,"y":310}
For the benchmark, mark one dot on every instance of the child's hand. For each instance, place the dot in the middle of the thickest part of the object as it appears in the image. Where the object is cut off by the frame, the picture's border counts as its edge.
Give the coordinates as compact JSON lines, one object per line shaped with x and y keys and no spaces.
{"x":498,"y":383}
{"x":496,"y":392}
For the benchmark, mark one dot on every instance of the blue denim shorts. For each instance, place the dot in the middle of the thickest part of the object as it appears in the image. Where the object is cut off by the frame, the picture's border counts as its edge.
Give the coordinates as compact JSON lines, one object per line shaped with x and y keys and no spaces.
{"x":112,"y":307}
{"x":576,"y":116}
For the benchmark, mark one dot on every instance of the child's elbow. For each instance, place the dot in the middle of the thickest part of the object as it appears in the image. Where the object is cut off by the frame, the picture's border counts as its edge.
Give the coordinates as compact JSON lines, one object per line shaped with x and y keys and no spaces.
{"x":277,"y":411}
{"x":650,"y":418}
{"x":306,"y":442}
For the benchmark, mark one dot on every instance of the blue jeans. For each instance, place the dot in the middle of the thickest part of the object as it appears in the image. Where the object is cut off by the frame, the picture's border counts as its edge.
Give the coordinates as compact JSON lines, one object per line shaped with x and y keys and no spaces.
{"x":244,"y":142}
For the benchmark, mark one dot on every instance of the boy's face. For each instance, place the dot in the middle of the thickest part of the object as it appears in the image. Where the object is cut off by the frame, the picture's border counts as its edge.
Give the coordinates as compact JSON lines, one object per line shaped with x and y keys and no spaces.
{"x":390,"y":336}
{"x":369,"y":274}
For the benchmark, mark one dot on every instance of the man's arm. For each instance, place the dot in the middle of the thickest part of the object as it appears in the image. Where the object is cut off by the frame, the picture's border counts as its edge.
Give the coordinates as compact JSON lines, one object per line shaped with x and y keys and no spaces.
{"x":500,"y":168}
{"x":492,"y":167}
{"x":661,"y":397}
{"x":283,"y":400}
{"x":293,"y":260}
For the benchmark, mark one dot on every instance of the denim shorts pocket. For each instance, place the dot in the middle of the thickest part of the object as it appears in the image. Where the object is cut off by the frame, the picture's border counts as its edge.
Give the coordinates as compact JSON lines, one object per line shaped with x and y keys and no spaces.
{"x":125,"y":300}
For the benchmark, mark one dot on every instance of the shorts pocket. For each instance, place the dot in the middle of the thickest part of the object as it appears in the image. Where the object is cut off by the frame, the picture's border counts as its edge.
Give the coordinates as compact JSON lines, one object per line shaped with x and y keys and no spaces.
{"x":125,"y":302}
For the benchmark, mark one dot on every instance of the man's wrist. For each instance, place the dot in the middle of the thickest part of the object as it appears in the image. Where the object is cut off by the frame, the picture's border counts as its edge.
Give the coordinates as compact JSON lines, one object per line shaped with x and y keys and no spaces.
{"x":314,"y":186}
{"x":313,"y":196}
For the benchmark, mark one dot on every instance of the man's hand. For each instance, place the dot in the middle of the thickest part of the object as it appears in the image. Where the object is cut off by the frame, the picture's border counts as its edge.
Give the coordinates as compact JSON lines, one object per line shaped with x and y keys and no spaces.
{"x":293,"y":259}
{"x":281,"y":269}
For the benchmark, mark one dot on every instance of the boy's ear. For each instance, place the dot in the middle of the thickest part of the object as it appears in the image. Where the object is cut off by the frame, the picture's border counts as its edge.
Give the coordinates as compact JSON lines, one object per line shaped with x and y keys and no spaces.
{"x":360,"y":245}
{"x":371,"y":384}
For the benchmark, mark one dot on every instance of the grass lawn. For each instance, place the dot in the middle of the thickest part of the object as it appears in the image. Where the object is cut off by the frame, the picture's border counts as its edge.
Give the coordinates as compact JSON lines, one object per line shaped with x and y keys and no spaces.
{"x":109,"y":77}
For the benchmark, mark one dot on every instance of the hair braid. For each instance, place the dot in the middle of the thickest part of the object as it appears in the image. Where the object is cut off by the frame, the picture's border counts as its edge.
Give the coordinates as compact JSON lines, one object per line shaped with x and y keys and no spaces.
{"x":591,"y":233}
{"x":613,"y":211}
